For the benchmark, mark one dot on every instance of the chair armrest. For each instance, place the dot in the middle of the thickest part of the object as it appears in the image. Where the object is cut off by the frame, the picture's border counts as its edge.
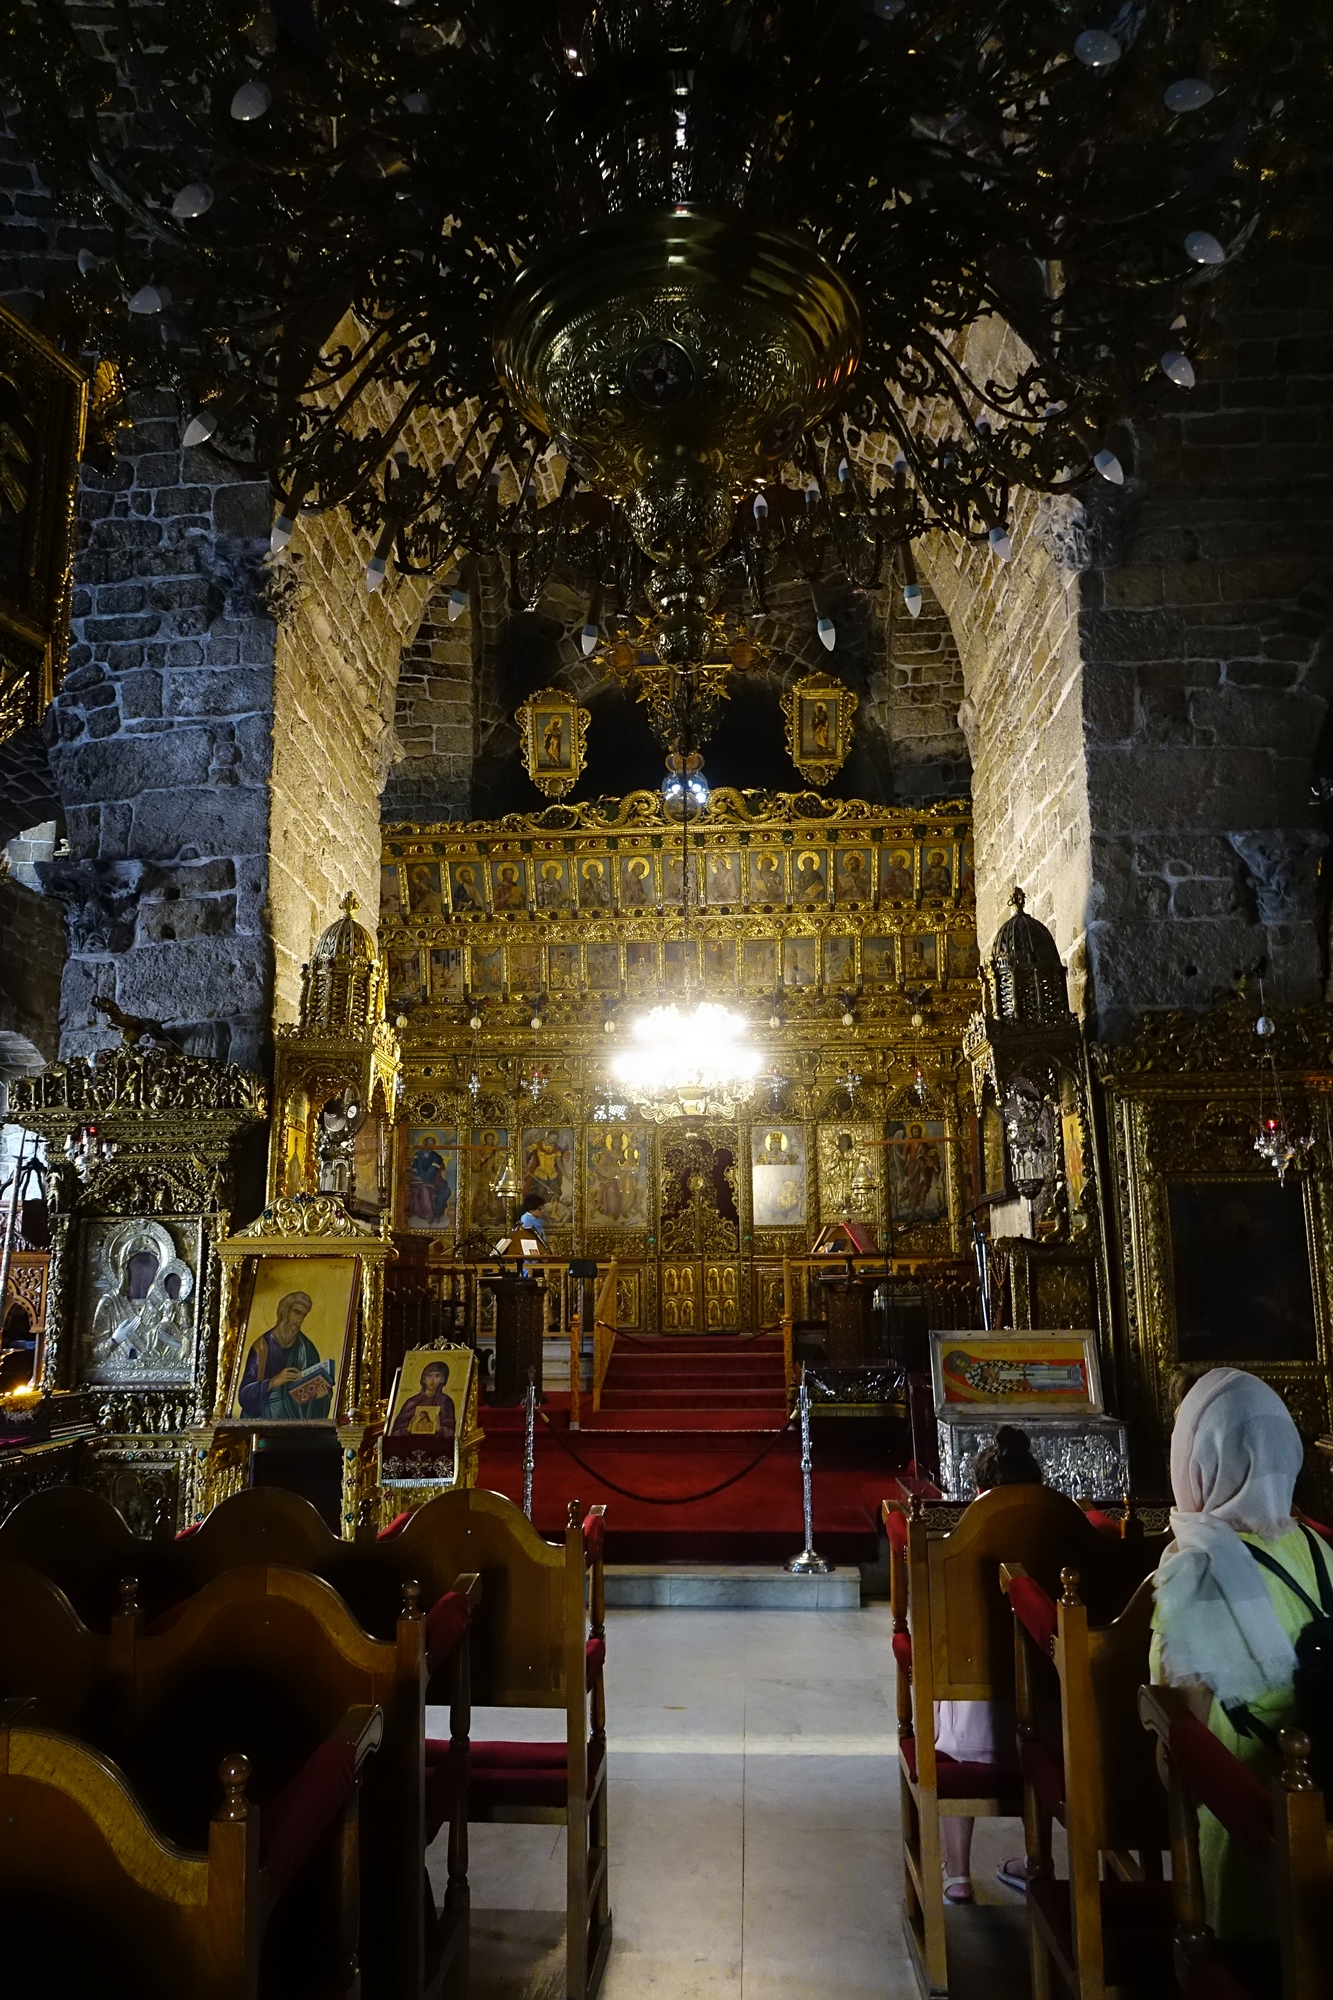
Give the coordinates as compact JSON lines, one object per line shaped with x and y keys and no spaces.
{"x":1159,"y":1707}
{"x":448,"y":1619}
{"x":362,"y":1727}
{"x":594,"y":1535}
{"x":305,"y":1809}
{"x":1034,"y":1610}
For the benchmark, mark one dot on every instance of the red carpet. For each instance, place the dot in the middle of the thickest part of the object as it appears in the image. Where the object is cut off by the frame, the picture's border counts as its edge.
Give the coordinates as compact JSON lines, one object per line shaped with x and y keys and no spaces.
{"x":680,"y":1418}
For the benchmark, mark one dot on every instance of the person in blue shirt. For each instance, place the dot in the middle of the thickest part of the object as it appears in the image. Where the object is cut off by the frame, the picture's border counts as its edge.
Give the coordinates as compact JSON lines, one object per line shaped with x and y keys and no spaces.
{"x":531,"y":1218}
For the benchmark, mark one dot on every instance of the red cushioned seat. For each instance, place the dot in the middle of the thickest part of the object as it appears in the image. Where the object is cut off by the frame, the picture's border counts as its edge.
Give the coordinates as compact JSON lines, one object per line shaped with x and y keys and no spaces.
{"x":512,"y":1774}
{"x":1138,"y":1926}
{"x":956,"y":1780}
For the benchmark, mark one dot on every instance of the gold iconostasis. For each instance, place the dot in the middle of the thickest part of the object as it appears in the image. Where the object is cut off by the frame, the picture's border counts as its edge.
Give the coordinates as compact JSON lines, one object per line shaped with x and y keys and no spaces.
{"x":520,"y":954}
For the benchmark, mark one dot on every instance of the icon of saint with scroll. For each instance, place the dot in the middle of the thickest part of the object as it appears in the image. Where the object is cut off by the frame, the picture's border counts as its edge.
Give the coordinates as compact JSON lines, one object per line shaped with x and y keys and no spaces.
{"x":810,"y":883}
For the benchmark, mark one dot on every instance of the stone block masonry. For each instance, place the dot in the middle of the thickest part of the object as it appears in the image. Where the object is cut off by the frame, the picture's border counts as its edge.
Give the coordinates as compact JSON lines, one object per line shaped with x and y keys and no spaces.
{"x":159,"y":743}
{"x":1149,"y":677}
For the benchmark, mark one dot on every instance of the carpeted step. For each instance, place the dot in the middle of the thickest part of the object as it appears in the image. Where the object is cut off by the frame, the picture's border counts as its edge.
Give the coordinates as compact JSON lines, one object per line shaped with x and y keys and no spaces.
{"x":655,"y":1376}
{"x":693,"y":1399}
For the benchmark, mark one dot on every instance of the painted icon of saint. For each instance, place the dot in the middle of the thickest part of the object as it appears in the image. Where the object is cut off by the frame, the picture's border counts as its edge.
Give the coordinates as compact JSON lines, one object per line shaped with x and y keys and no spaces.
{"x":430,"y":1413}
{"x":424,"y":884}
{"x":553,"y":741}
{"x":430,"y":1192}
{"x":596,"y":890}
{"x":284,"y":1375}
{"x":636,"y":886}
{"x":506,"y":887}
{"x":810,"y":883}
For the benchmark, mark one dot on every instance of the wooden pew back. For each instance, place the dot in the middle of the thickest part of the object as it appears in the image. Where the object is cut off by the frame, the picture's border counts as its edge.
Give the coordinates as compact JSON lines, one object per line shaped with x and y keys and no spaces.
{"x":104,"y":1902}
{"x":1281,"y":1827}
{"x":263,"y":1661}
{"x":971,"y":1648}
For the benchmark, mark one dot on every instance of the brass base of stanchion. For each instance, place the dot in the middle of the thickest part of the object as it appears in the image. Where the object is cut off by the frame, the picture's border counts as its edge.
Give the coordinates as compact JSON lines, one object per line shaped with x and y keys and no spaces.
{"x":807,"y":1563}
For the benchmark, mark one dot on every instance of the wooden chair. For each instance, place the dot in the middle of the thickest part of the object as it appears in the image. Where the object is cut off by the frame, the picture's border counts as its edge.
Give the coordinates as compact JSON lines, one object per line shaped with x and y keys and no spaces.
{"x":1087,"y":1763}
{"x":95,"y":1899}
{"x":538,"y":1642}
{"x":953,"y":1642}
{"x":1281,"y":1827}
{"x":264,"y":1659}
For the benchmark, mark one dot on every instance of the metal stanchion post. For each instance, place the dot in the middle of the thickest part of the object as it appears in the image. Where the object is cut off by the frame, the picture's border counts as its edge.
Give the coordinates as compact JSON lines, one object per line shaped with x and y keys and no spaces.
{"x":807,"y":1563}
{"x":981,"y":1251}
{"x":529,"y":1441}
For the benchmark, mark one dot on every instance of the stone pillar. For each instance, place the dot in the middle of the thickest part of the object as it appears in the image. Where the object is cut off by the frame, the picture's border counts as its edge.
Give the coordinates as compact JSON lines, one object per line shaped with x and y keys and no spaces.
{"x":1148,"y":677}
{"x":159,"y":747}
{"x":334,"y":687}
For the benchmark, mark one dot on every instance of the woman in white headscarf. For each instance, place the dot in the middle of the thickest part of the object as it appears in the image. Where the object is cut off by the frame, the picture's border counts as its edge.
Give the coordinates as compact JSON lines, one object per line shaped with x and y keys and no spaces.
{"x":1224,"y":1622}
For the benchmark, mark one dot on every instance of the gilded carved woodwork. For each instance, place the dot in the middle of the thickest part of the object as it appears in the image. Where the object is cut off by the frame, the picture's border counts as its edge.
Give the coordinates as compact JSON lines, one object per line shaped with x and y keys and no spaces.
{"x":520,"y":951}
{"x":818,"y":711}
{"x":554,"y":734}
{"x":301,"y":1226}
{"x":43,"y":403}
{"x":1182,"y":1102}
{"x":340,"y":1053}
{"x":134,"y":1286}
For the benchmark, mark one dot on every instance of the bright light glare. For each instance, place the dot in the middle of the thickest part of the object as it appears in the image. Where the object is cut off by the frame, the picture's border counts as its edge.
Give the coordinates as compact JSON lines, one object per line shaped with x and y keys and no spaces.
{"x":687,"y":1054}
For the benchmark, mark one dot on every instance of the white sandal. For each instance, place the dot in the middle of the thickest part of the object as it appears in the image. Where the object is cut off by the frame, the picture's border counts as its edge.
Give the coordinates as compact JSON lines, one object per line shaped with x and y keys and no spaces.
{"x":961,"y":1883}
{"x":1013,"y":1874}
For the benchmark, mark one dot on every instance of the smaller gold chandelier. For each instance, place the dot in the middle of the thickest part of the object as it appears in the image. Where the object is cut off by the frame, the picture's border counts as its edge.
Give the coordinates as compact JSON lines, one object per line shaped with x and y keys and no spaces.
{"x":691,"y":1065}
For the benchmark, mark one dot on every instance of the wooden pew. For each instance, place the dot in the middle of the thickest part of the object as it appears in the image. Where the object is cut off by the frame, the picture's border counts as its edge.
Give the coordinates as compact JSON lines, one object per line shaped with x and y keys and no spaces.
{"x":1087,"y":1762}
{"x":953,"y":1641}
{"x":95,"y":1899}
{"x":264,"y":1659}
{"x":539,"y":1642}
{"x":531,"y":1624}
{"x":1282,"y":1828}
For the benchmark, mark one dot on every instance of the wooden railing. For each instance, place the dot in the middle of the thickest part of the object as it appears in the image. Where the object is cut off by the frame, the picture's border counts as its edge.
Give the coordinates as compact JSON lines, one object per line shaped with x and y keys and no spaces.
{"x":949,"y":1288}
{"x":603,"y":1332}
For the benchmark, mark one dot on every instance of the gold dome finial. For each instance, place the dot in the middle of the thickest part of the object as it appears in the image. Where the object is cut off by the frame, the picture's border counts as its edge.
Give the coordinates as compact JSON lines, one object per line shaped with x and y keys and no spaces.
{"x":1018,"y":900}
{"x":343,"y":986}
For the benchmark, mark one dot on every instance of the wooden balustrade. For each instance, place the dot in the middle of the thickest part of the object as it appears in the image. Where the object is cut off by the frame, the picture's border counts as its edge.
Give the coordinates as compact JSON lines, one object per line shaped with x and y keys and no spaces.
{"x":603,"y":1332}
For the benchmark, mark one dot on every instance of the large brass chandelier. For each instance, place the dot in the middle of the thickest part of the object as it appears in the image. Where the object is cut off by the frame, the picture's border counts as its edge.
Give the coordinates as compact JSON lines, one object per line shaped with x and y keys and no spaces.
{"x":668,"y":297}
{"x":689,"y":1063}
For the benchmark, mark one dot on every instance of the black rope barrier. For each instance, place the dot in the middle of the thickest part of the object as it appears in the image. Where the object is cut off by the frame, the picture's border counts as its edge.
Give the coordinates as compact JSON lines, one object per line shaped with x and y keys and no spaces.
{"x":658,"y":1499}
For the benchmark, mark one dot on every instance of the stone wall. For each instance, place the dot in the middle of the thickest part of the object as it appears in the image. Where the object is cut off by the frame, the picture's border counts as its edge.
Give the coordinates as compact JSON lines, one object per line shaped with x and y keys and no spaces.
{"x":916,"y":691}
{"x":1148,"y":678}
{"x":461,"y":681}
{"x":159,"y":745}
{"x":335,"y":675}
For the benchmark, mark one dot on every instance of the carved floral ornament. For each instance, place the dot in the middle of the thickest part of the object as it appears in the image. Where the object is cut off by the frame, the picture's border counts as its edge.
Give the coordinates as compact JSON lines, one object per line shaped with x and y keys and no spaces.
{"x":1166,"y":1048}
{"x":131,"y":1081}
{"x":308,"y":1217}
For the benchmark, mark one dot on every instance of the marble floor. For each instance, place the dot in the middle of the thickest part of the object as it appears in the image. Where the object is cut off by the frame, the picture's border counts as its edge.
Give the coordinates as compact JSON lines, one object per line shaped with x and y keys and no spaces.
{"x":754,"y":1826}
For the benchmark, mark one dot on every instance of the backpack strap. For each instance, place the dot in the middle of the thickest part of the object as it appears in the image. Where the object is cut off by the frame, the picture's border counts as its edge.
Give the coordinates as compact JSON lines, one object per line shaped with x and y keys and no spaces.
{"x":1246,"y":1723}
{"x":1319,"y":1557}
{"x":1262,"y":1557}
